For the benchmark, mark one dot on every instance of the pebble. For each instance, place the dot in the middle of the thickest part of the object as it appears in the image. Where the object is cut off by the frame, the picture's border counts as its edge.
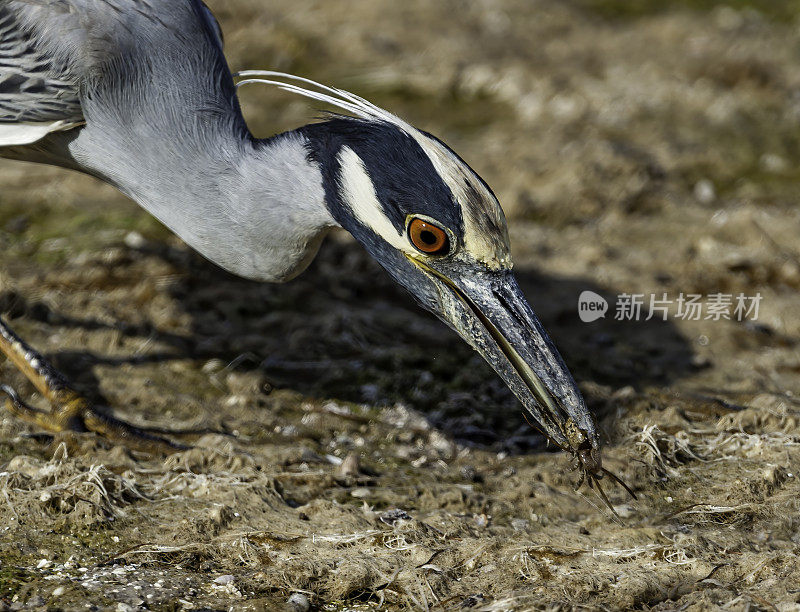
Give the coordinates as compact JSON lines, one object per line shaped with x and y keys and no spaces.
{"x":298,"y":602}
{"x":393,"y":515}
{"x":134,"y":240}
{"x":223,"y":580}
{"x":470,"y":474}
{"x":704,"y":191}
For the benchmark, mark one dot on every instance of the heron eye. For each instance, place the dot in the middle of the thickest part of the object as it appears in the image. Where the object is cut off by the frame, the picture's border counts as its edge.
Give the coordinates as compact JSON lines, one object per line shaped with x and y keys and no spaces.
{"x":428,"y":238}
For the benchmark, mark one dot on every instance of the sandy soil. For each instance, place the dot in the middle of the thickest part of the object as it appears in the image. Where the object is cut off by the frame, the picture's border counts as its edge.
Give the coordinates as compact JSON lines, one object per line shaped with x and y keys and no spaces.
{"x":352,"y":453}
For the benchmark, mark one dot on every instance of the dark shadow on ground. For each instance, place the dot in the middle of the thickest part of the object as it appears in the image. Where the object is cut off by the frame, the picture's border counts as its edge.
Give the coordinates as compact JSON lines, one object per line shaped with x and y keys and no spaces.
{"x":344,"y":330}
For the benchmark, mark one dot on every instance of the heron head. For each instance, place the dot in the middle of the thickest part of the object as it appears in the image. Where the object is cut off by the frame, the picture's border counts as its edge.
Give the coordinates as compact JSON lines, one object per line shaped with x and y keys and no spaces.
{"x":438,"y":229}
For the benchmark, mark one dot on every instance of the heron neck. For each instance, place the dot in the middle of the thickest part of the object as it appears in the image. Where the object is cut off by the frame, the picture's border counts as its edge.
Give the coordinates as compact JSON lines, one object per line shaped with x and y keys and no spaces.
{"x":275,"y":215}
{"x":254,"y":207}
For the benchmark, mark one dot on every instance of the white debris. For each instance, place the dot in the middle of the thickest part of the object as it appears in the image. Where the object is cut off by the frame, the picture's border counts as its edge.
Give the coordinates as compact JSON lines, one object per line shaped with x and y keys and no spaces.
{"x":298,"y":602}
{"x":704,"y":191}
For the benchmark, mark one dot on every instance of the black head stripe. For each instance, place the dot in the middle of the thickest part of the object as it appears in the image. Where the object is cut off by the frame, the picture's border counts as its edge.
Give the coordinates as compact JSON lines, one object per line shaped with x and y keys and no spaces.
{"x":404,"y":177}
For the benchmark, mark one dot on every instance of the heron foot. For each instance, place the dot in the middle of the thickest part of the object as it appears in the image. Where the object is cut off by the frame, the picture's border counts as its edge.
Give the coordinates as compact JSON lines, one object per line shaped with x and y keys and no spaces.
{"x":70,"y":411}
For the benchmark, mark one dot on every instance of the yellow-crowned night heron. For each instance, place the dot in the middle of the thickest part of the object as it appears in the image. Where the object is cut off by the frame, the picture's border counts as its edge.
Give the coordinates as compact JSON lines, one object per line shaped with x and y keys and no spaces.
{"x":138,"y":93}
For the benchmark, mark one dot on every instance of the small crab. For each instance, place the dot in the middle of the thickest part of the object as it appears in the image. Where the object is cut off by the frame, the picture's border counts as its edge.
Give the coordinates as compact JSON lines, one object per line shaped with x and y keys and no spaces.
{"x":590,"y":462}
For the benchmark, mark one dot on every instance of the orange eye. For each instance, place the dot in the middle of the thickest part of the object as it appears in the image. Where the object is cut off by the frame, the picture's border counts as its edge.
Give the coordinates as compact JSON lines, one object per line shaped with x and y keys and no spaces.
{"x":428,"y":238}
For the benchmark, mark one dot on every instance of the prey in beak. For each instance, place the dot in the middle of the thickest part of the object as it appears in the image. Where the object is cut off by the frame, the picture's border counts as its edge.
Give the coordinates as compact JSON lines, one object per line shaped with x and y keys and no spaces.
{"x":489,"y":311}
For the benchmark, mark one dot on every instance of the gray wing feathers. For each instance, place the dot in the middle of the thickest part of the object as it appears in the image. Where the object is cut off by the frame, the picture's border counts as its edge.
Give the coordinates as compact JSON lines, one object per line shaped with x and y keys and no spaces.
{"x":32,"y":88}
{"x":36,"y":94}
{"x":48,"y":48}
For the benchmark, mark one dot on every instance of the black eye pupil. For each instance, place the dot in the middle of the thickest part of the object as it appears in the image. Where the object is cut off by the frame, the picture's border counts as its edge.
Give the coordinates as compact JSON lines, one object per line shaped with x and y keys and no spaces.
{"x":428,"y":237}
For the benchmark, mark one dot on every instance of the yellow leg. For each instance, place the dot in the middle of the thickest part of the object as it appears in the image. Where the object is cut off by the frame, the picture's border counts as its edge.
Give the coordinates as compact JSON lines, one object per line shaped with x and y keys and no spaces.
{"x":70,"y":410}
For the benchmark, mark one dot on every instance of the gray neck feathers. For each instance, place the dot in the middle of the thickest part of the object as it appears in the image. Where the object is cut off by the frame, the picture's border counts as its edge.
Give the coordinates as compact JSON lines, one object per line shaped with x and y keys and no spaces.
{"x":255,"y":208}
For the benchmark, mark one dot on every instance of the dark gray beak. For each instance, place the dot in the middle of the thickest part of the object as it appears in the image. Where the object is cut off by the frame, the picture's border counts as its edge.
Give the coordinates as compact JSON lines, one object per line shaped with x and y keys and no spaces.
{"x":489,"y":311}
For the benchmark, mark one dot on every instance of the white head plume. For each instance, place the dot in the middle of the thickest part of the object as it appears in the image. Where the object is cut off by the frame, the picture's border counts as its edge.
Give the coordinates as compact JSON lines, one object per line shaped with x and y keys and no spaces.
{"x":486,"y":234}
{"x":344,"y":100}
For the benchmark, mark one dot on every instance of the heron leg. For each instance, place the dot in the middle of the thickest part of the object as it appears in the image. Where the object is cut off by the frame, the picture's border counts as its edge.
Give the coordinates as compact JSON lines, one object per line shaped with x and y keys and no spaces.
{"x":70,"y":410}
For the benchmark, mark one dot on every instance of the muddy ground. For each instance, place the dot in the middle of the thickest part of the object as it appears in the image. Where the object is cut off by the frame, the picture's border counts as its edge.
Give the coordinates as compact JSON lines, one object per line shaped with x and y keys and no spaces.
{"x":637,"y":147}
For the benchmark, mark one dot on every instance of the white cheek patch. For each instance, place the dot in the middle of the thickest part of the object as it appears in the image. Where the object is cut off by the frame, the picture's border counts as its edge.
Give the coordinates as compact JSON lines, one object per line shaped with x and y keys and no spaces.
{"x":359,"y":195}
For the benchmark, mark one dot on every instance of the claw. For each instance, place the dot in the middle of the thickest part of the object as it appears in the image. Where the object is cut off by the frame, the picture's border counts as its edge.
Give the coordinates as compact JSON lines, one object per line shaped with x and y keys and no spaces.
{"x":14,"y":397}
{"x":16,"y":405}
{"x":70,"y":410}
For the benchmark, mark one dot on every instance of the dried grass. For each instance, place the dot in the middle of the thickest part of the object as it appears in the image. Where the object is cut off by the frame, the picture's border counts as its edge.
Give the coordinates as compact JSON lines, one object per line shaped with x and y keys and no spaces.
{"x":65,"y":486}
{"x":664,"y":453}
